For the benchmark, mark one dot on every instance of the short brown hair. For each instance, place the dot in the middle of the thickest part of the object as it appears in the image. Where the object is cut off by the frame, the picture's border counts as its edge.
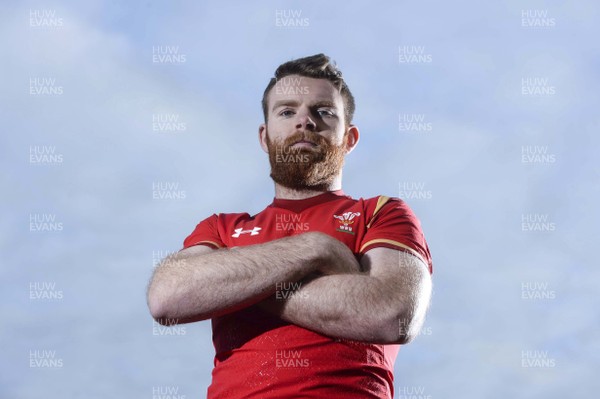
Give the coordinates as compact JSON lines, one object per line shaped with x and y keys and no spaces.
{"x":317,"y":66}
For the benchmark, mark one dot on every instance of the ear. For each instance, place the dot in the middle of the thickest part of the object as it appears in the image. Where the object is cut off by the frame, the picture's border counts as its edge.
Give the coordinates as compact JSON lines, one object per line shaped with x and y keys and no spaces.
{"x":262,"y":137}
{"x":352,"y":137}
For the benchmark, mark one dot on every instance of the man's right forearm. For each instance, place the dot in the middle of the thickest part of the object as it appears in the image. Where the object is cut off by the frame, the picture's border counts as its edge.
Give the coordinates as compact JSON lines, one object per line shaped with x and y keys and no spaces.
{"x":185,"y":289}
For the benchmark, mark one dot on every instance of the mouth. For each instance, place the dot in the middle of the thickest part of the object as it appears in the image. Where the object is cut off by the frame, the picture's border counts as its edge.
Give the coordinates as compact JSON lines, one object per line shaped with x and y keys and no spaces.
{"x":304,"y":143}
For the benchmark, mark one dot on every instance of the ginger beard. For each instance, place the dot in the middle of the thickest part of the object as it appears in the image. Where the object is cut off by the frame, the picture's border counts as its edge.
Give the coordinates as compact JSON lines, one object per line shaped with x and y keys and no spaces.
{"x":303,"y":168}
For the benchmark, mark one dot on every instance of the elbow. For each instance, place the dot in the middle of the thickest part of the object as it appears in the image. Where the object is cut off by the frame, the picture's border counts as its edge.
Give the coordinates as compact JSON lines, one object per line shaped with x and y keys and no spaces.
{"x":157,"y":307}
{"x":406,"y":328}
{"x":162,"y":313}
{"x":156,"y":298}
{"x":160,"y":305}
{"x":156,"y":310}
{"x":399,"y":330}
{"x":389,"y":334}
{"x":168,"y":311}
{"x":404,"y":338}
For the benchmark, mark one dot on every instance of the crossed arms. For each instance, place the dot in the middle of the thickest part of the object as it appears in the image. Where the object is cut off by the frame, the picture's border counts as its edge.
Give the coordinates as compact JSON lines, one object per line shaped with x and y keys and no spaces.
{"x":382,"y":299}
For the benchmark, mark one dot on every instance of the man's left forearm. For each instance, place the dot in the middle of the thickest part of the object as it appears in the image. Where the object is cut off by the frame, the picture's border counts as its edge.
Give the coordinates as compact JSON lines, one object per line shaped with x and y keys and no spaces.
{"x":350,"y":306}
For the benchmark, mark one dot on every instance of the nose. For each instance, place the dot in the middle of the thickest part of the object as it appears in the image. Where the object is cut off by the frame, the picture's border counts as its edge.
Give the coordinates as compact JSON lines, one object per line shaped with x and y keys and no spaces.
{"x":304,"y":121}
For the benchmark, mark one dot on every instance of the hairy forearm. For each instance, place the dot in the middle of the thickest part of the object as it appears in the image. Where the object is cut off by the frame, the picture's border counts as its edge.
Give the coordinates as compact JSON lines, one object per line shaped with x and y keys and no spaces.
{"x":385,"y":303}
{"x":349,"y":306}
{"x":193,"y":288}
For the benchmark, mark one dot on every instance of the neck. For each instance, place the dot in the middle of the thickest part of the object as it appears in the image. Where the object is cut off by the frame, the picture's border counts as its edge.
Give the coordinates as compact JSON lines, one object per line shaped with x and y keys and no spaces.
{"x":282,"y":192}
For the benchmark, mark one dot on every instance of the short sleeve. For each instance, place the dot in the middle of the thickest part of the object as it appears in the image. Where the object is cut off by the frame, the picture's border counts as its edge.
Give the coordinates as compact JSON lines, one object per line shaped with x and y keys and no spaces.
{"x":394,"y":225}
{"x":205,"y":233}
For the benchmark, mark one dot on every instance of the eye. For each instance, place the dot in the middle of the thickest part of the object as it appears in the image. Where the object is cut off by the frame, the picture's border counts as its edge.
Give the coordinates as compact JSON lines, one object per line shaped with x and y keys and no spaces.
{"x":286,"y":112}
{"x":325,"y":112}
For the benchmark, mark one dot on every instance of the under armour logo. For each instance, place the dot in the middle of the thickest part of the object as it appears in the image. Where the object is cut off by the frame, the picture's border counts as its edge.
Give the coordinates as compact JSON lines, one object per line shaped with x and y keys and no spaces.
{"x":240,"y":231}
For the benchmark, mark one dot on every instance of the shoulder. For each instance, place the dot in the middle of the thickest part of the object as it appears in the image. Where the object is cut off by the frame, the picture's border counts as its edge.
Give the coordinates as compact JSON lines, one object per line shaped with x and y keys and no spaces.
{"x":384,"y":204}
{"x":232,"y":217}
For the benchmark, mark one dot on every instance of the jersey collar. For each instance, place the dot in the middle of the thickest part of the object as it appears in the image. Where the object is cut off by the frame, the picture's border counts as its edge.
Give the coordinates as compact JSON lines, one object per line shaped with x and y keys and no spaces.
{"x":302,"y":204}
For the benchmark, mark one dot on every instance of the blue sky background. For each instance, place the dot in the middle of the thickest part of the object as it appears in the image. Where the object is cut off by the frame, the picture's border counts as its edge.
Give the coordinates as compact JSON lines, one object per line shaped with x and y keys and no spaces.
{"x":481,"y":330}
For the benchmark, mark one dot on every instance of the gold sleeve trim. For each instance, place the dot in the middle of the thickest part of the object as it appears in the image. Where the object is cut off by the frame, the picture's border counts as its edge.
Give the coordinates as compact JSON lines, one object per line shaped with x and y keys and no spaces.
{"x":208,"y":242}
{"x":380,"y":203}
{"x":396,"y":243}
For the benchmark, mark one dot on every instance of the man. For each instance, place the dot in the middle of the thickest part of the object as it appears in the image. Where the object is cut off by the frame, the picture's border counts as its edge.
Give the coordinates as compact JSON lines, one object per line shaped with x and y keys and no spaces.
{"x":312,"y":296}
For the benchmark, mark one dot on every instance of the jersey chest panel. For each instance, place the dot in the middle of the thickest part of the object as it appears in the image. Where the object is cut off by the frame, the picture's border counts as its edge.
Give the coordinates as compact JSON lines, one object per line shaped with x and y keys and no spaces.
{"x":344,"y":220}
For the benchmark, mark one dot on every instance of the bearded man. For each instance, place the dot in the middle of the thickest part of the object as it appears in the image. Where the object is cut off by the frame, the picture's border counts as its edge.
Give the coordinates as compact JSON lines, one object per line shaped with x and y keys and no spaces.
{"x":313,"y":296}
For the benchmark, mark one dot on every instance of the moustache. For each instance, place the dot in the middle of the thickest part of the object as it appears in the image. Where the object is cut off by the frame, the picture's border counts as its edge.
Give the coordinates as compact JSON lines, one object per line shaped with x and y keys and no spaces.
{"x":305,"y":136}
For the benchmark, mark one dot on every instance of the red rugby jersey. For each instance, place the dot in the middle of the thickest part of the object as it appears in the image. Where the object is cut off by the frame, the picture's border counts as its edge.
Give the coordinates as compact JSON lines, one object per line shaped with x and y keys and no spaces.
{"x":259,"y":355}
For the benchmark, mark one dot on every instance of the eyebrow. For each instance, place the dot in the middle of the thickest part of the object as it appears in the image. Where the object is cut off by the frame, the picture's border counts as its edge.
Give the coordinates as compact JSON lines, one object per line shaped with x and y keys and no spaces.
{"x":282,"y":103}
{"x":318,"y":104}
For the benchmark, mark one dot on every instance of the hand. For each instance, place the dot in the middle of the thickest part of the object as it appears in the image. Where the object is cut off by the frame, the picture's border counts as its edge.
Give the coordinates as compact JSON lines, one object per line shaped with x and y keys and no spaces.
{"x":334,"y":256}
